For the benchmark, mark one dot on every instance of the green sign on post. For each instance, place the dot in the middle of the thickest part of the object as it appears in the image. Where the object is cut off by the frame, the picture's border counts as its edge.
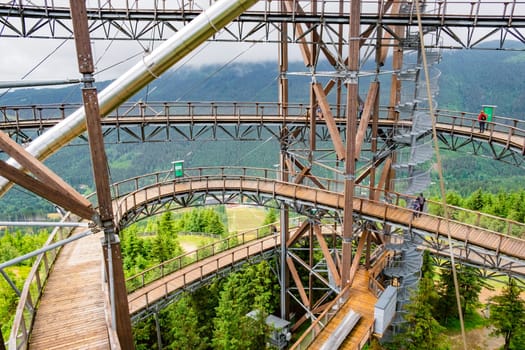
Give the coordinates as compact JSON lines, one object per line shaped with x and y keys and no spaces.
{"x":490,"y":111}
{"x":178,"y":168}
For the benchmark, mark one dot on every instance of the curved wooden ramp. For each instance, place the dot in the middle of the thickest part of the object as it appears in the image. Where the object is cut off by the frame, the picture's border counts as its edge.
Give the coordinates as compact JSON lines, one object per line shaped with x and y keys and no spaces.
{"x":436,"y":227}
{"x":71,"y":314}
{"x":150,"y":294}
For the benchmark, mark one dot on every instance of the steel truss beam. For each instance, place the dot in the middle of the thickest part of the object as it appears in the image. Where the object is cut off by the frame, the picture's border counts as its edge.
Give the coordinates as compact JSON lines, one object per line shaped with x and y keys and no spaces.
{"x":455,"y":26}
{"x":482,"y":148}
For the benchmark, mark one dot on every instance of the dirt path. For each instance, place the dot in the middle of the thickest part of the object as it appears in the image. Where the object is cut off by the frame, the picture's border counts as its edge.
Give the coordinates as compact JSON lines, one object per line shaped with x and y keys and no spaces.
{"x":479,"y":339}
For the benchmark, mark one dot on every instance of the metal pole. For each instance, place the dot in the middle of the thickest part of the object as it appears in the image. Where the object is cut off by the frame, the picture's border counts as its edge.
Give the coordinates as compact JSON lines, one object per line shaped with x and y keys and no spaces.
{"x":17,"y":84}
{"x":44,"y":224}
{"x":45,"y":249}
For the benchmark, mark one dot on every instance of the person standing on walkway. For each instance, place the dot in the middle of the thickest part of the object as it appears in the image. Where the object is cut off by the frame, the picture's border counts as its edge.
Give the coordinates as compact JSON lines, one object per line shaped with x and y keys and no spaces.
{"x":421,"y":203}
{"x":482,"y":117}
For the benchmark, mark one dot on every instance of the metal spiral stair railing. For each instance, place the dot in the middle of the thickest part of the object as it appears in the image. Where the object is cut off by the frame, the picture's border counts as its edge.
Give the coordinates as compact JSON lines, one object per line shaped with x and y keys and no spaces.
{"x":403,"y":272}
{"x":413,"y":165}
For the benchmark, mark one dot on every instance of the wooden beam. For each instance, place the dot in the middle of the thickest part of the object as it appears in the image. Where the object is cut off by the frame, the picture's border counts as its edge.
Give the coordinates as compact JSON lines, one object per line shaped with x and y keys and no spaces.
{"x":329,"y":86}
{"x":45,"y":191}
{"x":326,"y":252}
{"x":39,"y":170}
{"x":298,"y":282}
{"x":295,"y":7}
{"x":309,"y":175}
{"x":303,"y":45}
{"x":301,"y":175}
{"x":357,"y":256}
{"x":298,"y":233}
{"x":329,"y":120}
{"x":120,"y":309}
{"x":388,"y":36}
{"x":289,"y":166}
{"x":365,"y":117}
{"x":384,"y":177}
{"x":370,"y":167}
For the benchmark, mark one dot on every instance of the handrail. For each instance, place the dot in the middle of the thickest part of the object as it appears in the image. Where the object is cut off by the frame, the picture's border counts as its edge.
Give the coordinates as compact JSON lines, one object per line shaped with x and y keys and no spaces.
{"x":186,"y":278}
{"x":320,"y":322}
{"x":141,"y":113}
{"x":502,"y":226}
{"x":33,"y":287}
{"x":473,"y":10}
{"x":194,"y":111}
{"x":114,"y":342}
{"x":167,"y":267}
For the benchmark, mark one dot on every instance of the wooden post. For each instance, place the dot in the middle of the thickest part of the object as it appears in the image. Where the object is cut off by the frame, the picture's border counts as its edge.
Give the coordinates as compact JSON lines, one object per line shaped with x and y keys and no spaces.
{"x":352,"y":85}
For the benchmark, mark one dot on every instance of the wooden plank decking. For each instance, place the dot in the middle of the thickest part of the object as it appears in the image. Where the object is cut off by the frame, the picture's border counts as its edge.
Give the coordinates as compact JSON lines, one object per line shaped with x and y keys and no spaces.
{"x":362,"y":301}
{"x":71,"y":312}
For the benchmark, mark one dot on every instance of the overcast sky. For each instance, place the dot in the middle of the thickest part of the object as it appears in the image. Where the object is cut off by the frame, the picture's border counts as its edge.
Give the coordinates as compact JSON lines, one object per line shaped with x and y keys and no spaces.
{"x":45,"y":59}
{"x":50,"y":59}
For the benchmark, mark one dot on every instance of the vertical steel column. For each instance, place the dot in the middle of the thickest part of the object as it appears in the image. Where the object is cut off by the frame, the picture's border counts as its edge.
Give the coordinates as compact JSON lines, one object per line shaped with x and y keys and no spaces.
{"x":114,"y":271}
{"x":352,"y":86}
{"x":283,"y":176}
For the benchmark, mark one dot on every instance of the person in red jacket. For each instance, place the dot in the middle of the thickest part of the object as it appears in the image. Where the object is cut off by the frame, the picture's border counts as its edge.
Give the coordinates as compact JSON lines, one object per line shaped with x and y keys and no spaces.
{"x":482,"y":117}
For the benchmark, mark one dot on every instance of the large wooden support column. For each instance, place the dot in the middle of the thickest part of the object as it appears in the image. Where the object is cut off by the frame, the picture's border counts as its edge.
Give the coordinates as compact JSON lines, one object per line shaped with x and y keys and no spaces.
{"x":120,"y":317}
{"x":113,"y":262}
{"x":352,"y":85}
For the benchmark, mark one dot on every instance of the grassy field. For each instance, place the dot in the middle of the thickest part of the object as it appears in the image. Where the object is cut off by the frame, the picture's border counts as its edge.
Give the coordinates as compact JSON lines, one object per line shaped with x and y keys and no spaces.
{"x":190,"y":243}
{"x":242,"y":218}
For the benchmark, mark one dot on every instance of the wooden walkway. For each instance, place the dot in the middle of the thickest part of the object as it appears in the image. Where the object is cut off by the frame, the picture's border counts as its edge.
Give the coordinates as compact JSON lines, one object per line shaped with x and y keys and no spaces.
{"x":362,"y":301}
{"x":153,"y":292}
{"x":71,"y":312}
{"x":380,"y":211}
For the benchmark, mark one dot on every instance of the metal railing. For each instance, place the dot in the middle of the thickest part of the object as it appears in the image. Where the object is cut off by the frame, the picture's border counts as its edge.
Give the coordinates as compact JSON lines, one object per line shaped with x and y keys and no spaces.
{"x":439,"y":9}
{"x":44,"y":116}
{"x":489,"y":222}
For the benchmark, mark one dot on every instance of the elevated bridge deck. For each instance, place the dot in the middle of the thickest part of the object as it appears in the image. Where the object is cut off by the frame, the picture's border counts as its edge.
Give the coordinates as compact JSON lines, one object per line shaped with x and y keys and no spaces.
{"x":72,"y":311}
{"x":166,"y":121}
{"x":197,"y":273}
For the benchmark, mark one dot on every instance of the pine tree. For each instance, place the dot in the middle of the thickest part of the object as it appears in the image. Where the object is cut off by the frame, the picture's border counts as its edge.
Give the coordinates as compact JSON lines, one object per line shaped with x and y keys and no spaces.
{"x":507,"y":314}
{"x":423,"y":331}
{"x":183,"y":328}
{"x":469,"y":285}
{"x":165,"y":244}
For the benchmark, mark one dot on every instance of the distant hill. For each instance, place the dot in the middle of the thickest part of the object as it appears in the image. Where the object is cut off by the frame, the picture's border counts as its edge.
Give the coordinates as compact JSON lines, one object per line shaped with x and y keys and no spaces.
{"x":468,"y":80}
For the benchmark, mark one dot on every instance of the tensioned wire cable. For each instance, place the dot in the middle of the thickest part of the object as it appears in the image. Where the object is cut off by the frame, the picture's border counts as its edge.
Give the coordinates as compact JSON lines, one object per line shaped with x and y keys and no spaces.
{"x":440,"y":172}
